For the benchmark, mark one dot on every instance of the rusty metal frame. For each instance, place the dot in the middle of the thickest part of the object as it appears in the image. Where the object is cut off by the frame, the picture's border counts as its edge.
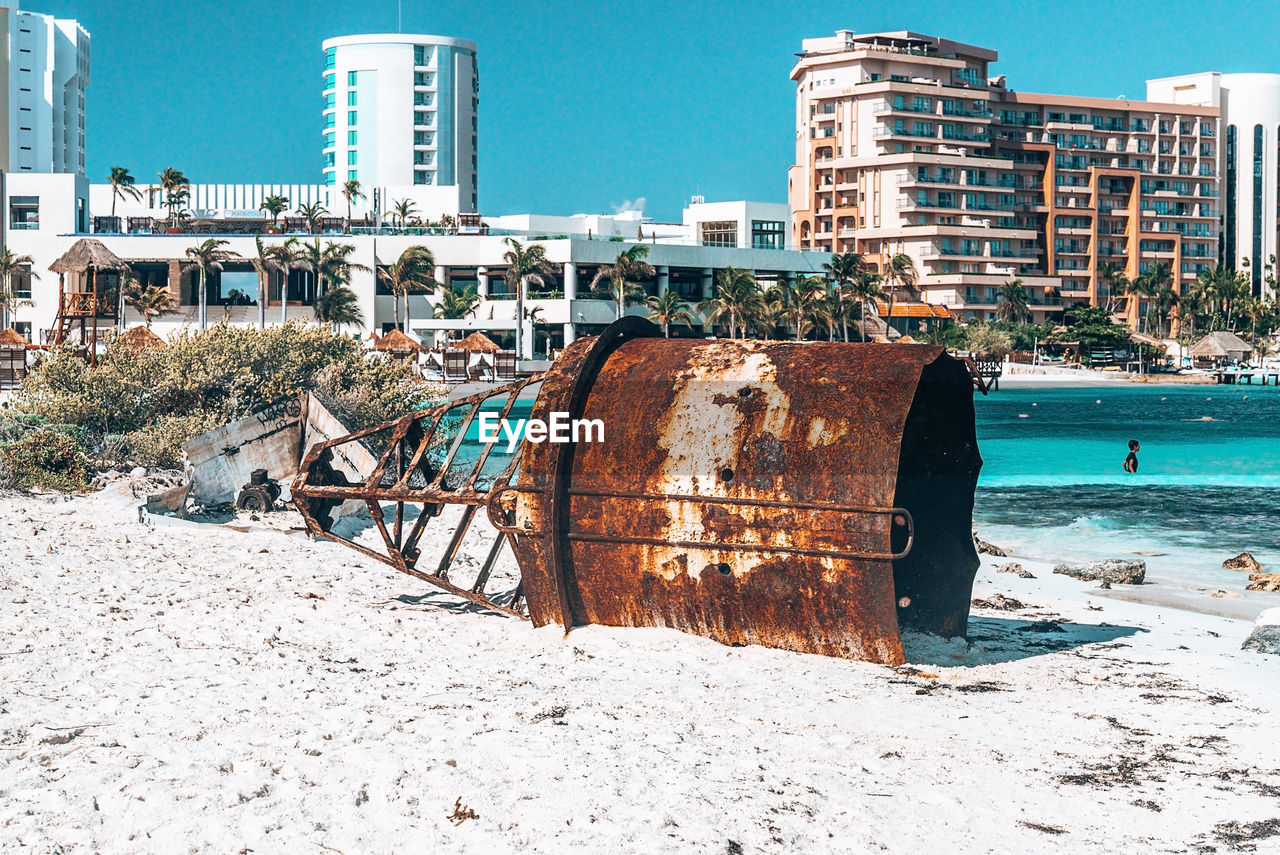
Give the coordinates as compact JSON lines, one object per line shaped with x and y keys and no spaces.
{"x":314,"y":499}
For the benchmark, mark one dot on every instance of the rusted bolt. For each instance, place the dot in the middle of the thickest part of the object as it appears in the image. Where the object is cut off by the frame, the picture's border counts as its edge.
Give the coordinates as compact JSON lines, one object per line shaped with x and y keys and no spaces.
{"x":904,"y":602}
{"x":724,"y":568}
{"x":744,"y":392}
{"x":899,"y":519}
{"x":726,"y":474}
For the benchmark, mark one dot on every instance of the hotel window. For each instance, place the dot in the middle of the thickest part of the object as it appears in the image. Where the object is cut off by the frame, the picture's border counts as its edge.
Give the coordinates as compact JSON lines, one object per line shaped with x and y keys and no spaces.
{"x":351,"y":99}
{"x":1256,"y":266}
{"x":328,"y":120}
{"x":420,"y":55}
{"x":1166,"y":126}
{"x":351,"y":137}
{"x":330,"y":178}
{"x":1186,"y":128}
{"x":328,"y":158}
{"x":421,"y":176}
{"x":352,"y":175}
{"x":422,"y":78}
{"x":422,"y":118}
{"x":1206,"y":129}
{"x":328,"y":81}
{"x":351,"y":158}
{"x":22,"y":283}
{"x":768,"y":234}
{"x":719,"y":233}
{"x":422,"y":99}
{"x":351,"y":78}
{"x":329,"y":57}
{"x":421,"y":138}
{"x":422,"y":158}
{"x":328,"y":101}
{"x":1229,"y":212}
{"x":24,"y":212}
{"x":328,"y":140}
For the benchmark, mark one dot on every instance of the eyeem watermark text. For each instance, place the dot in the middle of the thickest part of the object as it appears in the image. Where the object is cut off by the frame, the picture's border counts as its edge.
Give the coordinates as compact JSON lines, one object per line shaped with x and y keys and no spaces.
{"x":559,"y":428}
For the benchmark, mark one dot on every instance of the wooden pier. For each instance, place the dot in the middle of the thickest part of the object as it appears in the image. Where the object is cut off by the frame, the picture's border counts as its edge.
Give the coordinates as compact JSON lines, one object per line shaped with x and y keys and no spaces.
{"x":1246,"y":375}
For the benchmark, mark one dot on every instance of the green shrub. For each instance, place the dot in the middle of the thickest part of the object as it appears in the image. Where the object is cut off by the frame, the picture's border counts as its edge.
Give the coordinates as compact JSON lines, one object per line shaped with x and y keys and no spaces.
{"x":987,"y":339}
{"x":137,"y":407}
{"x":45,"y":460}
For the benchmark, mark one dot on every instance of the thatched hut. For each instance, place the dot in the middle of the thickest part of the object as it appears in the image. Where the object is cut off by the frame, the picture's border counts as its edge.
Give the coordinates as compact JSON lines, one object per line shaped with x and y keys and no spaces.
{"x":141,"y":338}
{"x":83,"y":296}
{"x":13,"y":358}
{"x":12,"y":338}
{"x":478,"y":342}
{"x":397,"y":344}
{"x":1219,"y":347}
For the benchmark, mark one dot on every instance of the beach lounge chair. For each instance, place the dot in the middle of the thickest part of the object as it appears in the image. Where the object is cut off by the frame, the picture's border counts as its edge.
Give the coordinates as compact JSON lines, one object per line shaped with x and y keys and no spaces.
{"x":504,"y":364}
{"x":455,"y":366}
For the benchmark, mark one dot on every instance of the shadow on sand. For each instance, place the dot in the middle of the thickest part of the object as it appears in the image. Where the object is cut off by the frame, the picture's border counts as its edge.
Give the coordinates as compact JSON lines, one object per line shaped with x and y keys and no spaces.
{"x":445,"y":601}
{"x":994,"y":640}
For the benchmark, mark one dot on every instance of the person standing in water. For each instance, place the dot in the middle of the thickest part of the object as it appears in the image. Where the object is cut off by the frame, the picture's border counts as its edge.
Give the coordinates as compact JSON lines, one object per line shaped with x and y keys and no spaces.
{"x":1131,"y":462}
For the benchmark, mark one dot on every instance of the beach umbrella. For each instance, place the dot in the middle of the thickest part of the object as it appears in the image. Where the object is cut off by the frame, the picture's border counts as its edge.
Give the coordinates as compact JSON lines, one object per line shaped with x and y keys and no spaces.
{"x":478,"y":342}
{"x":141,"y":338}
{"x":397,"y":342}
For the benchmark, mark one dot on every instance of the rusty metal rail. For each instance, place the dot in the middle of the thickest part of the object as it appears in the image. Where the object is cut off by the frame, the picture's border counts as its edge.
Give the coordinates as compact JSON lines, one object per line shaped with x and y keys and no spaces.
{"x":810,"y":496}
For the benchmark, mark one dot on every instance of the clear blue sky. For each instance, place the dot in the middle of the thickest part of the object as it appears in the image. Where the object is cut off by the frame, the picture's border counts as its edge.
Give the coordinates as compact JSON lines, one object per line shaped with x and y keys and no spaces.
{"x":586,"y":106}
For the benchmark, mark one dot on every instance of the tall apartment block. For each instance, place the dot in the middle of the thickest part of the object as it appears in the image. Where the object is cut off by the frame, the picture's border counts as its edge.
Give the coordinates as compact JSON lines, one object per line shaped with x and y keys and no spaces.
{"x":400,"y":116}
{"x":905,"y":143}
{"x":1250,"y":107}
{"x":43,"y":91}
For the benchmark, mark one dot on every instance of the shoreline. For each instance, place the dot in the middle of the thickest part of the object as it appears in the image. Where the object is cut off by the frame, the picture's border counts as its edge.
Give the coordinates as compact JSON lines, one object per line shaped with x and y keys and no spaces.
{"x":1018,"y":376}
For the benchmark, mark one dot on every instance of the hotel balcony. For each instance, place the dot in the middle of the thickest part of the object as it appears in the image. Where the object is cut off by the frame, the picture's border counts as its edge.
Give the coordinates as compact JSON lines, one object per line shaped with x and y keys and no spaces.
{"x":885,"y":131}
{"x":882,"y":108}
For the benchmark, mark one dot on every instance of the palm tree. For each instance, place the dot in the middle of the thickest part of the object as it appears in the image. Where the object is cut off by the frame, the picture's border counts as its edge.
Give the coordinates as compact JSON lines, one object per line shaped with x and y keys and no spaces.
{"x":175,"y":186}
{"x":290,"y":255}
{"x":899,"y":272}
{"x":524,"y":265}
{"x":332,"y":268}
{"x":1166,"y":300}
{"x":622,"y":278}
{"x":737,"y":298}
{"x":669,"y":308}
{"x":1117,"y":282}
{"x":9,"y":265}
{"x":1013,"y":305}
{"x":122,"y":184}
{"x":339,"y":307}
{"x":1190,"y":307}
{"x":150,"y":302}
{"x":401,"y":212}
{"x":208,"y":256}
{"x":263,"y":263}
{"x":794,"y":301}
{"x":413,"y":271}
{"x":456,"y":305}
{"x":274,"y":206}
{"x":843,"y":268}
{"x":351,"y":191}
{"x":864,"y":291}
{"x":312,"y":214}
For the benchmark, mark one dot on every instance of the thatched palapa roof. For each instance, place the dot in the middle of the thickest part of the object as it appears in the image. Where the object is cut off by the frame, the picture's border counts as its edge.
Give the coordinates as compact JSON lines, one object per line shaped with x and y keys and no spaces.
{"x":1220,"y":344}
{"x":396,"y":342}
{"x":12,"y":338}
{"x":479,"y":343}
{"x":86,"y":253}
{"x":141,"y":338}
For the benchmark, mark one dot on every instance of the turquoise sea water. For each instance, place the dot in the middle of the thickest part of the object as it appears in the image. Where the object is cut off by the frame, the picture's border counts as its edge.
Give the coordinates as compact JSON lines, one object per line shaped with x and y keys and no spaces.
{"x":1208,"y":482}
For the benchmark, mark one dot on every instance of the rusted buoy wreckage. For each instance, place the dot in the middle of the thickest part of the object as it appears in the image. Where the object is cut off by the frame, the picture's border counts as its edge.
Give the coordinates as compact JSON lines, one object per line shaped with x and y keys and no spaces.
{"x":804,"y":495}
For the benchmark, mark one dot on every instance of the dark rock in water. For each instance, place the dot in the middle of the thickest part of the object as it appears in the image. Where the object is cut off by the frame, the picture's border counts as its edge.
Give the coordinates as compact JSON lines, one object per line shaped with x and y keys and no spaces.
{"x":1264,"y":582}
{"x":1265,"y":637}
{"x":1243,"y":561}
{"x":1119,"y":571}
{"x":1016,"y":569}
{"x":1000,"y":603}
{"x":985,"y":548}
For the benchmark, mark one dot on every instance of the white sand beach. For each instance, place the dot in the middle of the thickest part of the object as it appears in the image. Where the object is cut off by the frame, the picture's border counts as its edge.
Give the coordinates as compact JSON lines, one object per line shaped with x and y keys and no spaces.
{"x":168,"y":690}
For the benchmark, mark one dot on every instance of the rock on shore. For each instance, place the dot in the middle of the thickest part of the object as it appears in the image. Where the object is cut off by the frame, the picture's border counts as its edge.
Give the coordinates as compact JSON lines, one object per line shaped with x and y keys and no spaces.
{"x":1119,"y":571}
{"x":1244,"y":561}
{"x":1265,"y":637}
{"x":1264,"y":582}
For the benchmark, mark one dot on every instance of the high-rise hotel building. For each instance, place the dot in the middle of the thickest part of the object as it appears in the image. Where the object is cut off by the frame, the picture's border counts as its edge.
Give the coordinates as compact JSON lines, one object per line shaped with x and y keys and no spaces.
{"x":400,"y":116}
{"x":43,"y":93}
{"x":905,"y":143}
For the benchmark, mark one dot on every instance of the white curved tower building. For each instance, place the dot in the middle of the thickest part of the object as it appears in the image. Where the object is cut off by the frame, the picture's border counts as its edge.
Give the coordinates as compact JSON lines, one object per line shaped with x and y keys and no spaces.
{"x":400,"y":117}
{"x":1250,"y":160}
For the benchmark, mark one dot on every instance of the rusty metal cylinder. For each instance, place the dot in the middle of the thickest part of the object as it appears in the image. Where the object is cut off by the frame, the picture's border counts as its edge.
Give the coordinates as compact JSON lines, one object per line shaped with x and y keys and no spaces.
{"x":810,"y":496}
